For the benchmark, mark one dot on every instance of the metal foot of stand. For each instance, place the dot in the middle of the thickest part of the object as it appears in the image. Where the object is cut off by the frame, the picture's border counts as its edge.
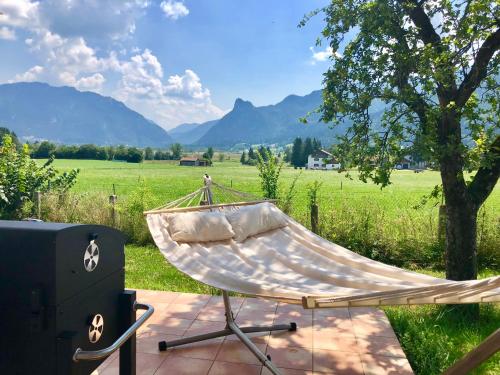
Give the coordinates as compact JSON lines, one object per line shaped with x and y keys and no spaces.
{"x":233,"y":329}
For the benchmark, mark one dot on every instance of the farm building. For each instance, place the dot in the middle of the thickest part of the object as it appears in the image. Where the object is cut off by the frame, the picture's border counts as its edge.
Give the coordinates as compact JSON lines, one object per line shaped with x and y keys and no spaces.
{"x":322,"y":160}
{"x":408,"y":163}
{"x":193,"y":161}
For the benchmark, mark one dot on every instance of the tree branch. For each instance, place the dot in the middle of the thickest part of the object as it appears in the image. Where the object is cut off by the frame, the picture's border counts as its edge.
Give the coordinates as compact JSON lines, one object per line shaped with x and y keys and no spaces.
{"x":479,"y":68}
{"x":425,"y":29}
{"x":487,"y":176}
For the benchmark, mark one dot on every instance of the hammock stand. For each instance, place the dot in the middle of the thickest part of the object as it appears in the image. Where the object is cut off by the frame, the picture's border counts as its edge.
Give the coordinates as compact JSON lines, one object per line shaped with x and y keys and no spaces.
{"x":345,"y":280}
{"x":232,"y":328}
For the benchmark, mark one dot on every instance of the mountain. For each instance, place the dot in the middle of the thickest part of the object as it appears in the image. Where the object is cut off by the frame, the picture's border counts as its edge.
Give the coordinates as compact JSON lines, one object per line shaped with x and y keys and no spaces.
{"x":38,"y":111}
{"x":277,"y":123}
{"x":190,"y":133}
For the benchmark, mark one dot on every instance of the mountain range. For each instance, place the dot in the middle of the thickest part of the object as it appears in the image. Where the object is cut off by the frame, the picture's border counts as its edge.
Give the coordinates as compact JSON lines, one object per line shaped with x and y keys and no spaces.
{"x":247,"y":124}
{"x":38,"y":111}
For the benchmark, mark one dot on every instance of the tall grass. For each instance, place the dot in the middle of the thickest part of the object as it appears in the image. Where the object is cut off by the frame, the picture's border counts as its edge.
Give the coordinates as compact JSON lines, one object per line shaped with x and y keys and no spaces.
{"x":408,"y":238}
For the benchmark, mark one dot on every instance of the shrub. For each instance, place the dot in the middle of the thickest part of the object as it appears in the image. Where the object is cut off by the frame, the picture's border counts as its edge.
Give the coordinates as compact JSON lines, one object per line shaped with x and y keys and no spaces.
{"x":21,"y":177}
{"x":269,"y":173}
{"x":131,"y":218}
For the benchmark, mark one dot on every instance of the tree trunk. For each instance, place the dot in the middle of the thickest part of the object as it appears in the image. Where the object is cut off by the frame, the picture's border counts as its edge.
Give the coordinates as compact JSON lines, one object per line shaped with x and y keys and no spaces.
{"x":461,"y":246}
{"x":461,"y":212}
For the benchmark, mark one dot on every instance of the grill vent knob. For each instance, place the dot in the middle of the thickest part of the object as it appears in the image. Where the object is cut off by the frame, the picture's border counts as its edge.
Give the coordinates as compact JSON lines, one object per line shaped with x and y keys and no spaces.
{"x":91,"y":257}
{"x":96,"y":328}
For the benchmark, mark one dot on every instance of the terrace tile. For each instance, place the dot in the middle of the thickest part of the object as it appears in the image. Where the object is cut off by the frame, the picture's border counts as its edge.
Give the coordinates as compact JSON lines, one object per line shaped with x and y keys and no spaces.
{"x":327,"y":342}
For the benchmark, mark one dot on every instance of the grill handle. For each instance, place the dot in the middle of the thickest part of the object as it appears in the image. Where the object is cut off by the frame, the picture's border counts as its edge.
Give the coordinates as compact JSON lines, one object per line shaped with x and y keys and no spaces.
{"x":92,"y":355}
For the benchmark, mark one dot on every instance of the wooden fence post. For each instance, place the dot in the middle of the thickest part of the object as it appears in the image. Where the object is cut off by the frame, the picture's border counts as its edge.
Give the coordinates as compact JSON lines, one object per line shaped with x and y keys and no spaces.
{"x":112,"y":201}
{"x":442,"y":224}
{"x":38,"y":204}
{"x":314,"y":218}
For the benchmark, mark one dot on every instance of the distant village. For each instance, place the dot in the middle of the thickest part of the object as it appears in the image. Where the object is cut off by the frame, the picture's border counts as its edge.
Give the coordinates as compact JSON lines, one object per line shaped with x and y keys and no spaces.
{"x":308,"y":154}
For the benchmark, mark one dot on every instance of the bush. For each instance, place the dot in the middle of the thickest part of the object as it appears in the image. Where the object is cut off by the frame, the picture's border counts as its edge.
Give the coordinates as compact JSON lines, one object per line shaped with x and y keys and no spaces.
{"x":269,"y":173}
{"x":131,"y":218}
{"x":21,"y":177}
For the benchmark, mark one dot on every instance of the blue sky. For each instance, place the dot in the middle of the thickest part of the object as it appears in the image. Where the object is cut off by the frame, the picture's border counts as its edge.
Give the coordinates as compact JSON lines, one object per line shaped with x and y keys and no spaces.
{"x":173,"y":61}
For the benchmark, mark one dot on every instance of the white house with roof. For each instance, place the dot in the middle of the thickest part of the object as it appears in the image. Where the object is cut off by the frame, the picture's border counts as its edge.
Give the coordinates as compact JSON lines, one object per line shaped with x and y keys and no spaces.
{"x":408,"y":163}
{"x":322,"y":159}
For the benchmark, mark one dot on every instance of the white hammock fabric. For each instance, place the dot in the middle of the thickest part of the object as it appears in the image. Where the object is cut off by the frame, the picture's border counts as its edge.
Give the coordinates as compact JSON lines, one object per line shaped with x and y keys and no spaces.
{"x":294,"y":265}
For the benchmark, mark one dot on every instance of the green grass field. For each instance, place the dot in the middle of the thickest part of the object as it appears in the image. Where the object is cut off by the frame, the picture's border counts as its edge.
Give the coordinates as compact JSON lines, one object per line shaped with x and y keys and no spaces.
{"x":168,"y":180}
{"x":378,"y":223}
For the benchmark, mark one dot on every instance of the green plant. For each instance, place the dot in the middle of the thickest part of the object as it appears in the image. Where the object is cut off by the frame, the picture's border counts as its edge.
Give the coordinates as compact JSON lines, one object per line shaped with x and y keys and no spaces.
{"x":312,"y":193}
{"x":269,"y":173}
{"x":287,"y":201}
{"x":131,"y":219}
{"x":21,"y":177}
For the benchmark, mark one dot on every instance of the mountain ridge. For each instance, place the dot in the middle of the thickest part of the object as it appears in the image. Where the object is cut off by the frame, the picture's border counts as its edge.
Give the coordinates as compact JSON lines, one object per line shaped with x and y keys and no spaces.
{"x":39,"y":111}
{"x":276,"y":123}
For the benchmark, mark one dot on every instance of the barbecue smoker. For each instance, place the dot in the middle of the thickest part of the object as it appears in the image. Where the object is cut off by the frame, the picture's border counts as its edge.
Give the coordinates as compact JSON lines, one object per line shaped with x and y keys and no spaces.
{"x":64,"y":304}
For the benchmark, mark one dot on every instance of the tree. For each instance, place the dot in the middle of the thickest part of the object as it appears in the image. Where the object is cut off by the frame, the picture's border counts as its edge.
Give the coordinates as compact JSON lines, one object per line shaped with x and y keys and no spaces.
{"x":243,"y":158}
{"x":297,"y":152}
{"x":210,"y":153}
{"x":316,"y":143}
{"x":251,"y":154}
{"x":15,"y":140}
{"x":44,"y":150}
{"x":434,"y":67}
{"x":149,"y":153}
{"x":307,"y":150}
{"x":288,"y":154}
{"x":176,"y":149}
{"x":134,"y":155}
{"x":20,"y":177}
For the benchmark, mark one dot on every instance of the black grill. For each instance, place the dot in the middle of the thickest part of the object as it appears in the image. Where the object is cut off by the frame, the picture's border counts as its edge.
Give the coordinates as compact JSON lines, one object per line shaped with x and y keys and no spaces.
{"x":62,"y":288}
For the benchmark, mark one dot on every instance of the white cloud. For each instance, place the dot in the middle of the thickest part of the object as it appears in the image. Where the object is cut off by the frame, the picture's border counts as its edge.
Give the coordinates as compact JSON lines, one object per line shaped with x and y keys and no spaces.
{"x":19,"y":13}
{"x":60,"y":36}
{"x":182,"y":98}
{"x":7,"y":33}
{"x":174,"y":9}
{"x":93,"y":20}
{"x":32,"y":74}
{"x":93,"y":82}
{"x":324,"y":55}
{"x":187,"y":86}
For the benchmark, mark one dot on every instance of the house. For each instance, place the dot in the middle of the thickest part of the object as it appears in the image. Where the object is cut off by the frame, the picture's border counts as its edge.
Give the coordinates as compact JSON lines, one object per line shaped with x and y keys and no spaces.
{"x":408,"y":163}
{"x":193,"y":161}
{"x":322,"y":160}
{"x":403,"y":164}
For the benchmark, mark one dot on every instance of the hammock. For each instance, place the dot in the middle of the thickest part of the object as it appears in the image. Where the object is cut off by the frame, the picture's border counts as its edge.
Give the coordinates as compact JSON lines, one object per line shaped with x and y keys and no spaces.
{"x":294,"y":265}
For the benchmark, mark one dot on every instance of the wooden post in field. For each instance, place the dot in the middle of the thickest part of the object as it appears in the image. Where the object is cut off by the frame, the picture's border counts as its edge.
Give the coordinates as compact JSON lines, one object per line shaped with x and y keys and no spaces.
{"x":442,"y":224}
{"x":38,"y":204}
{"x":112,"y":202}
{"x":314,"y":218}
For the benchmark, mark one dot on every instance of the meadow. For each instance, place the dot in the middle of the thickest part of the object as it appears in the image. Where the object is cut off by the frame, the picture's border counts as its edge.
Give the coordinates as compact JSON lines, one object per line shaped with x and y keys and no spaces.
{"x":380,"y":223}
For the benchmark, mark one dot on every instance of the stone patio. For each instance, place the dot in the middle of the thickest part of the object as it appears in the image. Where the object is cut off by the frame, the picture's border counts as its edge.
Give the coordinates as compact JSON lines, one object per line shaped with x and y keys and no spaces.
{"x":329,"y":341}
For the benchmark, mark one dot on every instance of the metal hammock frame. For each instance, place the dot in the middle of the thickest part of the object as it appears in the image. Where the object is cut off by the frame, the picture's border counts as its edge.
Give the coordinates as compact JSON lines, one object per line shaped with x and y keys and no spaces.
{"x":205,"y":197}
